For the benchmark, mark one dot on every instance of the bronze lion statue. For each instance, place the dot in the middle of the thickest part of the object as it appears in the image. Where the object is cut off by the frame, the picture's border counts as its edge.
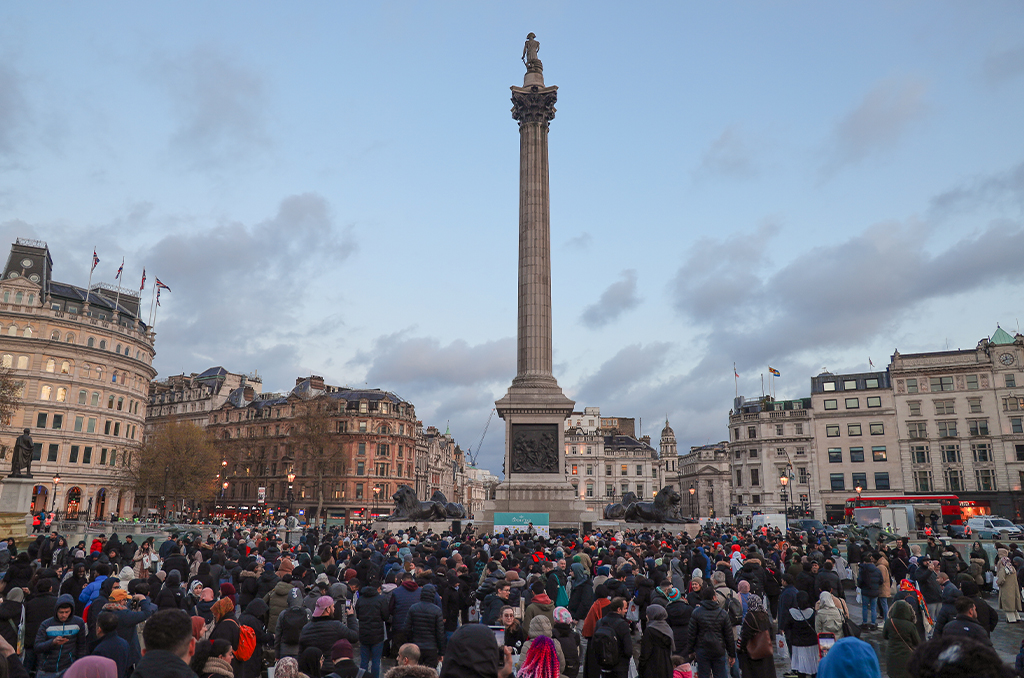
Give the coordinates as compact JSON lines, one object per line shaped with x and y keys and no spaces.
{"x":616,"y":511}
{"x":408,"y":507}
{"x":664,"y":509}
{"x":451,"y":509}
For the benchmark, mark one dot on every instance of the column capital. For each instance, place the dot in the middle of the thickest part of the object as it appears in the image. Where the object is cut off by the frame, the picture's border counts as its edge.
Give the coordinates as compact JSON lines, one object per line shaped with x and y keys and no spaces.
{"x":534,"y":103}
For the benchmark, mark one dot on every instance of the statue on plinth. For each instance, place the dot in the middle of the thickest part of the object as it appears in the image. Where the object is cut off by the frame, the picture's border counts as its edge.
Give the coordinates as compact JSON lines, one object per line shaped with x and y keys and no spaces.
{"x":530,"y":50}
{"x":22,"y":456}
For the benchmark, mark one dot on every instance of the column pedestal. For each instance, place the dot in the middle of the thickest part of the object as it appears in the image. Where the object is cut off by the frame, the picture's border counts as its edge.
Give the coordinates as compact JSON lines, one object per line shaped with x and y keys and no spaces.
{"x":16,"y":506}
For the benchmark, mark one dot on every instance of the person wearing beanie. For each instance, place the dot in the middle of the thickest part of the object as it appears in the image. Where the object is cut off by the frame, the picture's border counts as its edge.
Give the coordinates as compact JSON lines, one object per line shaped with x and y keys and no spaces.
{"x":850,"y":657}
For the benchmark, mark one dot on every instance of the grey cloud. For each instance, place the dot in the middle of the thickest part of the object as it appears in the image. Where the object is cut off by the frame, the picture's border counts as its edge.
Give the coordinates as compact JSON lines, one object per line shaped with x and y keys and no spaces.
{"x":631,"y":365}
{"x":580,"y":242}
{"x":1004,"y":65}
{"x":219,"y":105}
{"x":424,"y":363}
{"x":618,"y":298}
{"x":728,"y":155}
{"x":879,"y":120}
{"x":840,"y":295}
{"x":994,"y":189}
{"x":238,"y":290}
{"x":13,"y":111}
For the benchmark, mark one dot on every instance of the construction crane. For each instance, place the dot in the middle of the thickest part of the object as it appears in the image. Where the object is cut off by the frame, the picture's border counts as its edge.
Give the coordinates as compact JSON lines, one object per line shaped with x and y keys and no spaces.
{"x":470,"y":454}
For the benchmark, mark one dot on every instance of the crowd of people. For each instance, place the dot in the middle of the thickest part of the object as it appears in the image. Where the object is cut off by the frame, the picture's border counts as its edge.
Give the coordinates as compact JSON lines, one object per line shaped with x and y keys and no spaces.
{"x":242,"y":602}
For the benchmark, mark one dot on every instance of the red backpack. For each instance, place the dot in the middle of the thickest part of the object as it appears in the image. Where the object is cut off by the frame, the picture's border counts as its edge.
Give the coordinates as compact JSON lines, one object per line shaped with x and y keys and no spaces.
{"x":246,"y":642}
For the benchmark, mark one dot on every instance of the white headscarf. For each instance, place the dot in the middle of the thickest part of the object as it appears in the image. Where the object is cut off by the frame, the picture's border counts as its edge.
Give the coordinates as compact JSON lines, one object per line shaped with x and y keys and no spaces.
{"x":826,"y":600}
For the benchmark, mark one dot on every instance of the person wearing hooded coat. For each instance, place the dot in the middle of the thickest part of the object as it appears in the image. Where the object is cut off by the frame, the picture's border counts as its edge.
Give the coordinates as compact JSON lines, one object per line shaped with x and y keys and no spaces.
{"x":12,"y":611}
{"x":540,"y":604}
{"x":248,"y":585}
{"x":255,"y":617}
{"x":541,"y":626}
{"x":1009,"y":588}
{"x":850,"y":657}
{"x":424,"y":625}
{"x":901,"y":632}
{"x":679,"y":613}
{"x":657,"y":645}
{"x":277,"y":599}
{"x":755,"y":621}
{"x":803,"y":638}
{"x":564,"y":633}
{"x":471,"y":654}
{"x":947,"y":612}
{"x":171,"y":597}
{"x":582,"y":596}
{"x":52,"y":657}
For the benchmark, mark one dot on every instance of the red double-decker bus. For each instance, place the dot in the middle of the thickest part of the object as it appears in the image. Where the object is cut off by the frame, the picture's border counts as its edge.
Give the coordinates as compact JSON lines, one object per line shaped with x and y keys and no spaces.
{"x":946,"y":506}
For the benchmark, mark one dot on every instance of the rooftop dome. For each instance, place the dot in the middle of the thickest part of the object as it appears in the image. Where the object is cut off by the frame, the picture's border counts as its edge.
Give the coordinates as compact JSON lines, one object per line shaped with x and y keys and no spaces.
{"x":667,"y":432}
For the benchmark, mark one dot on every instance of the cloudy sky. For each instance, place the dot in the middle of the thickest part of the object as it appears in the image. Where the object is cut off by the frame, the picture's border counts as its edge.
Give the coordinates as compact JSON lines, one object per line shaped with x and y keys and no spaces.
{"x":332,"y":188}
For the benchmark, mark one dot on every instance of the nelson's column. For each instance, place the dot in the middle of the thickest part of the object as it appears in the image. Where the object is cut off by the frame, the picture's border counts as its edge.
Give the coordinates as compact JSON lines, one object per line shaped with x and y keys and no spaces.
{"x":535,"y":408}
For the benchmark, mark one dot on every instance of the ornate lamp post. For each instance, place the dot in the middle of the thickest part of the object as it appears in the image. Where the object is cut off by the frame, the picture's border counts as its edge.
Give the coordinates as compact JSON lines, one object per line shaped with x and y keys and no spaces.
{"x":56,"y":482}
{"x":693,"y":493}
{"x":784,"y":479}
{"x":376,"y":500}
{"x":291,"y":494}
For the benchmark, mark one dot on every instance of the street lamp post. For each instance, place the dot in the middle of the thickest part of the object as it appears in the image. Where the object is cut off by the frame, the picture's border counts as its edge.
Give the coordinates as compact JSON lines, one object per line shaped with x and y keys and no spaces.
{"x":693,"y":492}
{"x":291,"y":494}
{"x":376,"y":500}
{"x":784,"y":479}
{"x":56,"y":481}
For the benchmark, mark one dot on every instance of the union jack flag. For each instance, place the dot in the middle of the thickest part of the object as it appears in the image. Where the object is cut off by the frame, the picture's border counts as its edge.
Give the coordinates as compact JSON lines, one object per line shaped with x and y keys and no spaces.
{"x":160,"y":285}
{"x":95,"y":259}
{"x":120,"y":269}
{"x":143,"y":285}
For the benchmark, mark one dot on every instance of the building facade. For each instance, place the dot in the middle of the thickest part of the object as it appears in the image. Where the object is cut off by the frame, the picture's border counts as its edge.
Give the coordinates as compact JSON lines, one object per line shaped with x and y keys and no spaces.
{"x":708,"y":472}
{"x":857,"y":440}
{"x":603,"y":462}
{"x":85,"y":362}
{"x":369,"y":449}
{"x":480,"y":484}
{"x":191,"y":398}
{"x":961,"y":432}
{"x":440,"y":465}
{"x":767,"y":438}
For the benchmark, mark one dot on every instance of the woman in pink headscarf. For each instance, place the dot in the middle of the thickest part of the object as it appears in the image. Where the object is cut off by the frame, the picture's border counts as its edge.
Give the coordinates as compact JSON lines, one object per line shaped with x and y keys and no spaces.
{"x":92,"y":667}
{"x":541,"y":660}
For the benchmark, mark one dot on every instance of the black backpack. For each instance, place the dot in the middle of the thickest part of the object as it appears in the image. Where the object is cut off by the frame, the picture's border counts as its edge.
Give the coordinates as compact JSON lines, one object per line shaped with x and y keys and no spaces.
{"x":606,"y":647}
{"x":711,"y":641}
{"x":292,"y":623}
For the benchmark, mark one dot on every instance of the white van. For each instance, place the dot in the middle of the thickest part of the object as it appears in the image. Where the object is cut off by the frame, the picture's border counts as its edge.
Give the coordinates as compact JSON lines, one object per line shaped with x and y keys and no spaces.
{"x":993,"y":527}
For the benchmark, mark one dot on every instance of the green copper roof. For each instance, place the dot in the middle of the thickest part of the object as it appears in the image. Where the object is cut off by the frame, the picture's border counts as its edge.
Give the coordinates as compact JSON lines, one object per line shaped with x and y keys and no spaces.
{"x":1001,"y":337}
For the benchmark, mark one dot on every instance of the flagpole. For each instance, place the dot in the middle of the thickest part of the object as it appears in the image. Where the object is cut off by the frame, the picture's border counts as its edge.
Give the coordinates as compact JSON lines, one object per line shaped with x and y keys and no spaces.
{"x":736,"y":381}
{"x":92,"y":266}
{"x":155,"y":307}
{"x":762,"y":384}
{"x":117,"y":301}
{"x":152,"y":307}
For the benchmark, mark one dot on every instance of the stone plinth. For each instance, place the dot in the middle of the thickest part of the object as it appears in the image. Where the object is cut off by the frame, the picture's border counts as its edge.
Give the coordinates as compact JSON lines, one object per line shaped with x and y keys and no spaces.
{"x":437,"y":526}
{"x":16,"y":506}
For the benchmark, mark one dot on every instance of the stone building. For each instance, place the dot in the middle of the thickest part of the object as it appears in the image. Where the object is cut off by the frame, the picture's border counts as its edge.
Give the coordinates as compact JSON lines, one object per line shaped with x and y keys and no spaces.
{"x":960,"y":414}
{"x":440,"y":465}
{"x":707,"y":471}
{"x":480,"y":484}
{"x":191,"y":398}
{"x":857,"y":440}
{"x":766,"y":438}
{"x":603,"y":462}
{"x":85,"y":362}
{"x":371,"y":449}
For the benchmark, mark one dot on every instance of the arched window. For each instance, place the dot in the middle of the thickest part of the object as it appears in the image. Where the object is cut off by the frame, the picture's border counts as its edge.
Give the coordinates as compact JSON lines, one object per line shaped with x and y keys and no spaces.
{"x":101,"y":504}
{"x":65,"y":367}
{"x":7,"y":361}
{"x":19,"y":298}
{"x":44,"y":392}
{"x":113,"y":377}
{"x":110,"y":403}
{"x":12,"y":331}
{"x":128,"y":351}
{"x":118,"y":348}
{"x":91,"y":342}
{"x":31,"y":299}
{"x":120,"y":403}
{"x":74,"y":501}
{"x":99,"y":374}
{"x":39,"y":502}
{"x":103,"y":344}
{"x":7,"y":297}
{"x":70,"y":338}
{"x":27,"y":332}
{"x":62,"y":394}
{"x":51,"y":365}
{"x":22,"y":362}
{"x":55,"y":335}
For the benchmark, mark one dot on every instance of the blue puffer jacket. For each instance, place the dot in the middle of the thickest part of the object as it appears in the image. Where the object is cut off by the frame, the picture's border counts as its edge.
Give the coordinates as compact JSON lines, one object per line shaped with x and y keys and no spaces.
{"x":54,"y":658}
{"x":869,"y":580}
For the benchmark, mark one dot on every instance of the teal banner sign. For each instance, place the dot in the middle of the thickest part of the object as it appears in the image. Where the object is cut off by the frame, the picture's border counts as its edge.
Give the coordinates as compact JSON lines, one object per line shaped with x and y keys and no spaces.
{"x":521,"y":522}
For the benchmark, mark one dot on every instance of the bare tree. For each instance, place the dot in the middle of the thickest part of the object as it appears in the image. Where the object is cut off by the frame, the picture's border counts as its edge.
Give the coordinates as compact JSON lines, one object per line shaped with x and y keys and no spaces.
{"x":178,"y":462}
{"x":312,"y":440}
{"x":11,"y":392}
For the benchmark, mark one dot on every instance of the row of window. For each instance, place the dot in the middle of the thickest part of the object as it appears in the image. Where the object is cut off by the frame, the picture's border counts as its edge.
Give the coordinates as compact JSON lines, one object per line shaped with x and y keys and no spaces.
{"x":574,"y":449}
{"x":107,"y":456}
{"x":50,"y":366}
{"x":947,"y":428}
{"x":985,"y":480}
{"x":852,"y":403}
{"x":85,"y":425}
{"x":779,"y":452}
{"x":875,"y":429}
{"x":943,"y":384}
{"x":623,"y":469}
{"x":837,"y":481}
{"x":362,"y":406}
{"x":950,"y":453}
{"x":609,"y":490}
{"x":798,"y":429}
{"x":849,"y":384}
{"x":878,"y":453}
